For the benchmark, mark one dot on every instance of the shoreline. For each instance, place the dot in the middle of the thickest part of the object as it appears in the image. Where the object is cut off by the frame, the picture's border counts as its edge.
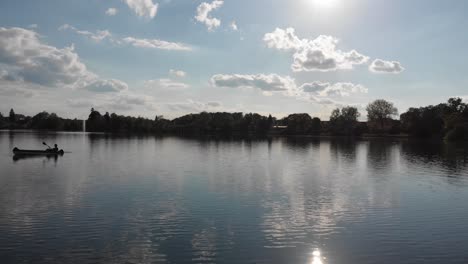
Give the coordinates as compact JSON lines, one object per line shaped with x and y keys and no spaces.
{"x":233,"y":135}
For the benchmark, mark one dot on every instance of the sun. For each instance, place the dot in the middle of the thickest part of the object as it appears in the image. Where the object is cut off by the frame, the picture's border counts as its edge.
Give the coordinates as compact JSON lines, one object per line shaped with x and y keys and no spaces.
{"x":324,"y":3}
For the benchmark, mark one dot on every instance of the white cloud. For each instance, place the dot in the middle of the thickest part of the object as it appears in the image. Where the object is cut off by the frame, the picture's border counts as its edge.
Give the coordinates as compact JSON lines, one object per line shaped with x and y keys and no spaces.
{"x":283,"y":39}
{"x":233,"y":26}
{"x":156,"y":44}
{"x":33,"y":26}
{"x":123,"y":101}
{"x":80,"y":103}
{"x":143,"y":8}
{"x":269,"y":83}
{"x":203,"y":14}
{"x":97,"y":36}
{"x":382,"y":66}
{"x":132,"y":99}
{"x":191,"y":106}
{"x":100,"y":35}
{"x":166,"y":84}
{"x":25,"y":58}
{"x":111,"y":11}
{"x":325,"y":89}
{"x":104,"y":86}
{"x":320,"y":54}
{"x":14,"y":89}
{"x":177,"y":73}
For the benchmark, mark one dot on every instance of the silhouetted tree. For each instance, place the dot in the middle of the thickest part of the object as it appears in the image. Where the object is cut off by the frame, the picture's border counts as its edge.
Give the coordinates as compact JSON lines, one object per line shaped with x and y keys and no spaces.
{"x":299,"y":124}
{"x":423,"y":121}
{"x":344,"y":121}
{"x":316,"y":125}
{"x":449,"y":120}
{"x":95,"y":121}
{"x":270,"y":121}
{"x":12,"y":117}
{"x":379,"y":111}
{"x":2,"y":121}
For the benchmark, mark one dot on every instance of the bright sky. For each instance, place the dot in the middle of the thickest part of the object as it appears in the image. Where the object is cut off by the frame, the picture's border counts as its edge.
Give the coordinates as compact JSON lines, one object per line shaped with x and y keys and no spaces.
{"x":172,"y":57}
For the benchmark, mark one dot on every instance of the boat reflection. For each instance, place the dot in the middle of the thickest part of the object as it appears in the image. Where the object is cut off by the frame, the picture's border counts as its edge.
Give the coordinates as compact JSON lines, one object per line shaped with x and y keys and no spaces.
{"x":18,"y":157}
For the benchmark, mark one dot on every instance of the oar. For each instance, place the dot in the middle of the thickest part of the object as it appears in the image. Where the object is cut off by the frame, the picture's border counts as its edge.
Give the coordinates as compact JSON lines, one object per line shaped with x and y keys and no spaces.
{"x":43,"y":143}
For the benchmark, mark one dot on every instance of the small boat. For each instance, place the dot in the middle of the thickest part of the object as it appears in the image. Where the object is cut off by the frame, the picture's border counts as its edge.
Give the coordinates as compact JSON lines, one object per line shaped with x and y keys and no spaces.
{"x":18,"y":151}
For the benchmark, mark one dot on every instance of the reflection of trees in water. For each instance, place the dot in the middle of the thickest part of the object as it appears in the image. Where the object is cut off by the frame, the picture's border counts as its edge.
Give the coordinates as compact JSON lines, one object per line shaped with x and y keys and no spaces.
{"x":382,"y":155}
{"x":301,"y":144}
{"x":343,"y":149}
{"x":451,"y":159}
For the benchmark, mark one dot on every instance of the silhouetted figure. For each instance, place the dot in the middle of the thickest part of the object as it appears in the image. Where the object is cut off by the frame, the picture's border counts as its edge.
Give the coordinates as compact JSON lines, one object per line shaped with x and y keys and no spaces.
{"x":54,"y":149}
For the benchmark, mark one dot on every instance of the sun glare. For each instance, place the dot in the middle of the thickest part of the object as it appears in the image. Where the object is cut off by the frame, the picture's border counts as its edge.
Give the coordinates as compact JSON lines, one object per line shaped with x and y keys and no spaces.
{"x":324,"y":3}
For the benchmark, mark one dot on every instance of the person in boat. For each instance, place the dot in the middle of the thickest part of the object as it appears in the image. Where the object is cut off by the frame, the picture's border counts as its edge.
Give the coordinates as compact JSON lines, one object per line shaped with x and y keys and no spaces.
{"x":54,"y":149}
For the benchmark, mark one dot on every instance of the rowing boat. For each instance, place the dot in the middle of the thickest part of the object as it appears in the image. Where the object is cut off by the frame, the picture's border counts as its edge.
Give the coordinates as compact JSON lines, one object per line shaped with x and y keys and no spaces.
{"x":18,"y":151}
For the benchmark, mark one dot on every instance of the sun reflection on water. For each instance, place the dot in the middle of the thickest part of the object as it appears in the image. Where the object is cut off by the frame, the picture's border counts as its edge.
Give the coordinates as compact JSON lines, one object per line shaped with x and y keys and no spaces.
{"x":317,"y":257}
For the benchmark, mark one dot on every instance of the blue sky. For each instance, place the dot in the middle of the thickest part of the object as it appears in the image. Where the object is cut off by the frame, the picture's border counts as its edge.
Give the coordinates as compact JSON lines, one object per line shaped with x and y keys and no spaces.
{"x":172,"y":57}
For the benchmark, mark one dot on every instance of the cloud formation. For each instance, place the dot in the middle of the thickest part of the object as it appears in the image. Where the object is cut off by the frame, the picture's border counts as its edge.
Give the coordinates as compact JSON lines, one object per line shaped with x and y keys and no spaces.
{"x":177,"y":73}
{"x":100,"y":35}
{"x":191,"y":106}
{"x":166,"y":84}
{"x":325,"y":89}
{"x":123,"y":101}
{"x":111,"y":11}
{"x":382,"y":66}
{"x":317,"y":92}
{"x":143,"y":8}
{"x":105,"y":86}
{"x":156,"y":44}
{"x":25,"y":58}
{"x":12,"y":89}
{"x":233,"y":26}
{"x":97,"y":36}
{"x":319,"y":54}
{"x":265,"y":82}
{"x":203,"y":14}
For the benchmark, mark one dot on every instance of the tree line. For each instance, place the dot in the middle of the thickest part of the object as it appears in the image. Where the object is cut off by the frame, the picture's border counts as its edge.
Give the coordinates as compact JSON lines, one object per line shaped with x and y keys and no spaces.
{"x":446,"y":120}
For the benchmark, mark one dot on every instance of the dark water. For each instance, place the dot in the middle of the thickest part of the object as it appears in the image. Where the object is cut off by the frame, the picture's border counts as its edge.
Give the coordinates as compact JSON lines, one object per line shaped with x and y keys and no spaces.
{"x":172,"y":200}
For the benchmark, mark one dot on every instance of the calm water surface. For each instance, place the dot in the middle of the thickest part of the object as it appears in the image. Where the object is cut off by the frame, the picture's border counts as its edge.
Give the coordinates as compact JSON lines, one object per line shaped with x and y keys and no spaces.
{"x":173,"y":200}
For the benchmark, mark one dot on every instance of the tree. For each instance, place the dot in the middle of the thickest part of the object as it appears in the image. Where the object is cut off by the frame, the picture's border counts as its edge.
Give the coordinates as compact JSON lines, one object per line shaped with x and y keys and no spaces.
{"x":12,"y":117}
{"x":95,"y":121}
{"x":299,"y":124}
{"x":380,"y":110}
{"x":316,"y":125}
{"x":344,"y":121}
{"x":350,"y":113}
{"x":270,"y":121}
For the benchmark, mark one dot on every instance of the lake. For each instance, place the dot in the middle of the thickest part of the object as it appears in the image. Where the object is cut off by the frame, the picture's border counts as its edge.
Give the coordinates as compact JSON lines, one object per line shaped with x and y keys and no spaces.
{"x":116,"y":199}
